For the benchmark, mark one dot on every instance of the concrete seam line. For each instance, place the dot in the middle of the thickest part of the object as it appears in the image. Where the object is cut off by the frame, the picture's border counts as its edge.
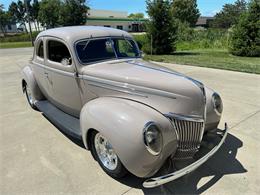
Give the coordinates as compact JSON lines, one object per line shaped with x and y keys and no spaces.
{"x":245,"y":119}
{"x":126,"y":191}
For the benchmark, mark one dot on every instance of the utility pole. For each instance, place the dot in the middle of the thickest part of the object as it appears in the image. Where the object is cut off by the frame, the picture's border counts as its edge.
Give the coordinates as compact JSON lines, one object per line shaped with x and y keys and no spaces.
{"x":26,"y":2}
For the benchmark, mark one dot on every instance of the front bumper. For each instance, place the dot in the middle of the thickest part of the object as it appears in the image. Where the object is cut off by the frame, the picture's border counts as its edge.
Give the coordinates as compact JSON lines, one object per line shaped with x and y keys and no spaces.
{"x":157,"y":181}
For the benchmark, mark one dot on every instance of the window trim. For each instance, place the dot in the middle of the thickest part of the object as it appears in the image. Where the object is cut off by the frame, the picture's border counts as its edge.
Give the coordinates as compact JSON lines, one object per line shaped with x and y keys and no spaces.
{"x":105,"y":37}
{"x":48,"y":39}
{"x":37,"y":49}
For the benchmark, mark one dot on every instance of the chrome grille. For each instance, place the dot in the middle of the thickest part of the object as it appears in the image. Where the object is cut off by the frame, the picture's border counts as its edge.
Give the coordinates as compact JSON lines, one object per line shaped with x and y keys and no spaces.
{"x":190,"y":135}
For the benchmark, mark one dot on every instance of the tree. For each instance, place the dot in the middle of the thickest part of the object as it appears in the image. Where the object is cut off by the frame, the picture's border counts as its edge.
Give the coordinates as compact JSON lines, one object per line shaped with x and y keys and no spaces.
{"x":18,"y":13}
{"x":186,"y":11}
{"x":245,"y":38}
{"x":136,"y":15}
{"x":229,"y":15}
{"x":161,"y":28}
{"x":73,"y":12}
{"x":5,"y":19}
{"x":35,"y":13}
{"x":49,"y":13}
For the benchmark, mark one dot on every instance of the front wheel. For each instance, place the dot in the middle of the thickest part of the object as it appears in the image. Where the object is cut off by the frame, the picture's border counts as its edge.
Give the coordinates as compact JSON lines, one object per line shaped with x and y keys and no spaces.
{"x":103,"y":152}
{"x":29,"y":96}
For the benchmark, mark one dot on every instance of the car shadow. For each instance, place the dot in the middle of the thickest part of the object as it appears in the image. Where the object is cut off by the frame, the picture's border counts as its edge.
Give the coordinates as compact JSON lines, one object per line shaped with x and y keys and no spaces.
{"x":75,"y":140}
{"x":224,"y":162}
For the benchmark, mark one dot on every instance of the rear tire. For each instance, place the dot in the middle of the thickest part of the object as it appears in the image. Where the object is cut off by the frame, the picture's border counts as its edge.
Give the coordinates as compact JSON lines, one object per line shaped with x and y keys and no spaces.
{"x":29,"y":96}
{"x":104,"y":154}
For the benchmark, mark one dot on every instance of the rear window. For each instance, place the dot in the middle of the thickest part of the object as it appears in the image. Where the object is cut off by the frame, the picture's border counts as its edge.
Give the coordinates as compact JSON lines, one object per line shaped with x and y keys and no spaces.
{"x":39,"y":51}
{"x":95,"y":50}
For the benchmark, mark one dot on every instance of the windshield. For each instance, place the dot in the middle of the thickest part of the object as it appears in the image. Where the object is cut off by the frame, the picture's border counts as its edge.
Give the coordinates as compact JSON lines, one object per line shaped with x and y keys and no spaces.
{"x":104,"y":49}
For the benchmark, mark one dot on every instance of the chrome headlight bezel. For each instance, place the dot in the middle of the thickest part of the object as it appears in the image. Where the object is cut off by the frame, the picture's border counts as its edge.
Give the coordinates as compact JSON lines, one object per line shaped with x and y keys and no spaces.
{"x":217,"y":103}
{"x":151,"y":129}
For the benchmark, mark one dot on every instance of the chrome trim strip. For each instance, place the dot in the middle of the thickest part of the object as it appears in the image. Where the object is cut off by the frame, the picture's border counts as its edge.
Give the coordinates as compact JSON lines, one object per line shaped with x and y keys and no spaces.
{"x":157,"y":181}
{"x":129,"y":87}
{"x":62,"y":72}
{"x":184,"y":117}
{"x":157,"y":69}
{"x":118,"y":90}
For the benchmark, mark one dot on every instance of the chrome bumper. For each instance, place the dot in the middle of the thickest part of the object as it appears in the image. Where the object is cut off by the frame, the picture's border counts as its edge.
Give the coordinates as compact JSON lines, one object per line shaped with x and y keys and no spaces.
{"x":157,"y":181}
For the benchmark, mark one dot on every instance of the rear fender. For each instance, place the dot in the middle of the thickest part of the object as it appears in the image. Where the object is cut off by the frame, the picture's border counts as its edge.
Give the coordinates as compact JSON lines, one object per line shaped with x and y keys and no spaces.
{"x":28,"y":77}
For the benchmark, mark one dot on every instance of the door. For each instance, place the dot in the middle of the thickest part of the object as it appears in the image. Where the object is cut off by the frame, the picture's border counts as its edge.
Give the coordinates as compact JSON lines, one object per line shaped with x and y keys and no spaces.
{"x":38,"y":67}
{"x":60,"y":76}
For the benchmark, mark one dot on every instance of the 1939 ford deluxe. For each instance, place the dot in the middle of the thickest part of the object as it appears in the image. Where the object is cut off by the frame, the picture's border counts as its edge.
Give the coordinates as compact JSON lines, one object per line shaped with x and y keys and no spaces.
{"x":131,"y":114}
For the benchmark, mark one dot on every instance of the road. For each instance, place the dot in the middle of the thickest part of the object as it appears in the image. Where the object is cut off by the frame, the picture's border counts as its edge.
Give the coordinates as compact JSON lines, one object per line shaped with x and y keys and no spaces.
{"x":35,"y":157}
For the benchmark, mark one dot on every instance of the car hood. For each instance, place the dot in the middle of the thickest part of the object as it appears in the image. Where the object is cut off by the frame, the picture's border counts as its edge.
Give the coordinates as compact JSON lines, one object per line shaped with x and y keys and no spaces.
{"x":156,"y":86}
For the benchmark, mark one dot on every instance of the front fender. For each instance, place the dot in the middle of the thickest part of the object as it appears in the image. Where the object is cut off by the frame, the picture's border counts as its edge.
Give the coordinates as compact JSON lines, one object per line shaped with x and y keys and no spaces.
{"x":28,"y":77}
{"x":122,"y":122}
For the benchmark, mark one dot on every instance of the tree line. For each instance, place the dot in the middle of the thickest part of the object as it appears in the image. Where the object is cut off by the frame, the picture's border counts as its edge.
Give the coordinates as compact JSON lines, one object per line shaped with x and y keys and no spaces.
{"x":169,"y":18}
{"x":47,"y":13}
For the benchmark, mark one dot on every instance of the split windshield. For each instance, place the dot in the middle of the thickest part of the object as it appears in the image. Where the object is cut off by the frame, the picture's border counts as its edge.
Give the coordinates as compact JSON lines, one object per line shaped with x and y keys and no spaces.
{"x":104,"y":49}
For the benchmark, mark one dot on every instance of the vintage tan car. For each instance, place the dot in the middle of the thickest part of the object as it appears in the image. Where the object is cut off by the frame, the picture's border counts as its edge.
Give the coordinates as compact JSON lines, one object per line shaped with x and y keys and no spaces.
{"x":131,"y":114}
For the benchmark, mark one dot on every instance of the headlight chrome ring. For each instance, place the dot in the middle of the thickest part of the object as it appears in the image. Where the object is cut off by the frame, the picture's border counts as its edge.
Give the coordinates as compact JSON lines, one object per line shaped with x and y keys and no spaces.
{"x":217,"y":103}
{"x":153,"y":139}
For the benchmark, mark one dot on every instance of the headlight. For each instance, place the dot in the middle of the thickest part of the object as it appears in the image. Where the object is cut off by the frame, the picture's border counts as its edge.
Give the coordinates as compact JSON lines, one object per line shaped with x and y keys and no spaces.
{"x":153,"y":138}
{"x":217,"y":103}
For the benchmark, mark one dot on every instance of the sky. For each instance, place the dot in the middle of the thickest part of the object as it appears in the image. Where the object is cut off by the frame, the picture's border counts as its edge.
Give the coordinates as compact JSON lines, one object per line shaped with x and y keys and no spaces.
{"x":206,"y":7}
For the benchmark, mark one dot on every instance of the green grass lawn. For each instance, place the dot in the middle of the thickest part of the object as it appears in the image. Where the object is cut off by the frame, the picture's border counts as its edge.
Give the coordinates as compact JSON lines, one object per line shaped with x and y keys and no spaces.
{"x":14,"y":44}
{"x":212,"y":58}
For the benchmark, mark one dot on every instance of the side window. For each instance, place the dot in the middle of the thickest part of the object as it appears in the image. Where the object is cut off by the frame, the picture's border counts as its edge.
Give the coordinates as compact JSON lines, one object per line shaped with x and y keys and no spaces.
{"x":58,"y":52}
{"x":39,"y":51}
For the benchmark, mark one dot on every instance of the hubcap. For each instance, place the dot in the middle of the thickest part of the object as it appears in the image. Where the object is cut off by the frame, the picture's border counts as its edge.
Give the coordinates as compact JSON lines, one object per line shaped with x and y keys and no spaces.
{"x":29,"y":95}
{"x":105,"y":152}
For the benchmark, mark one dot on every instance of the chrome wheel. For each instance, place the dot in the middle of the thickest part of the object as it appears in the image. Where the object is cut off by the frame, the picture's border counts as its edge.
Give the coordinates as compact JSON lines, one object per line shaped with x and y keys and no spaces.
{"x":105,"y":152}
{"x":29,"y":95}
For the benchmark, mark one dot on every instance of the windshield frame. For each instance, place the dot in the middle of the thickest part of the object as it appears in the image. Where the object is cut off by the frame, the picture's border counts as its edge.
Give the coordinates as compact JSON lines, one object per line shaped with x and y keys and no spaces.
{"x":111,"y":39}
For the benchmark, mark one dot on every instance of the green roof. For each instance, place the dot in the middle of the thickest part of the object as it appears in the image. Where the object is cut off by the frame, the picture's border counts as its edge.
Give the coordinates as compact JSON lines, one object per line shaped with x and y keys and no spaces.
{"x":118,"y":19}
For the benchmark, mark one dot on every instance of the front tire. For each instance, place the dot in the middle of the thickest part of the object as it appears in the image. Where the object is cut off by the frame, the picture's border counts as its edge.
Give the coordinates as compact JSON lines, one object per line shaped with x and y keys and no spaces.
{"x":29,"y":96}
{"x":105,"y":155}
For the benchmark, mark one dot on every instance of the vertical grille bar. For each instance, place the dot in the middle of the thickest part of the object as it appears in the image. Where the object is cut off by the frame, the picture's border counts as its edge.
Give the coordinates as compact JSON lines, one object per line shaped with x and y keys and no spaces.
{"x":189,"y":133}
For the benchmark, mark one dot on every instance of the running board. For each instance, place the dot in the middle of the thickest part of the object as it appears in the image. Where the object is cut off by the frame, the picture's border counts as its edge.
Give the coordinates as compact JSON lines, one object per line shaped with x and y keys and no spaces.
{"x":67,"y":123}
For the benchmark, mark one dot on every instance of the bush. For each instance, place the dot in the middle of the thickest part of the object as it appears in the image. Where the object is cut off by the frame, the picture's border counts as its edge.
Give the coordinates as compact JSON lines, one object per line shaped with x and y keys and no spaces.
{"x":245,"y":36}
{"x":23,"y":37}
{"x":189,"y":38}
{"x":143,"y":43}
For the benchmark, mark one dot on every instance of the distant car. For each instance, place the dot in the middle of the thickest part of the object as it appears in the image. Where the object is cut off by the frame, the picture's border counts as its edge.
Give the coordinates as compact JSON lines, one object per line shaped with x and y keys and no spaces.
{"x":131,"y":114}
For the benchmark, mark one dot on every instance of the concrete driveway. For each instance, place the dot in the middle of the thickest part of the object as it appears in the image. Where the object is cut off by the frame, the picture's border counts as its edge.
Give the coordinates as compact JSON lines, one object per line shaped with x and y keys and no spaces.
{"x":35,"y":157}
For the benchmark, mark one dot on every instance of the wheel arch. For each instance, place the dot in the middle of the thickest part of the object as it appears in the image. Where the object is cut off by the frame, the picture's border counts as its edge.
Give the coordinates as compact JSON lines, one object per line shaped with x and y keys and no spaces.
{"x":29,"y":79}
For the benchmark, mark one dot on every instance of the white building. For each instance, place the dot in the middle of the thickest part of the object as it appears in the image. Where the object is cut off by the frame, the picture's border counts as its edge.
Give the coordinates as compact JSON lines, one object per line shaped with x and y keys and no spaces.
{"x":115,"y":19}
{"x":10,"y":28}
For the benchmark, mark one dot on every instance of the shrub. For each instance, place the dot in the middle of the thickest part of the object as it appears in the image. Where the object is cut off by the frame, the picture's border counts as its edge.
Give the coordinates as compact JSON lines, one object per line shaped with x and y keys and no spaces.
{"x":143,"y":43}
{"x":23,"y":37}
{"x":245,"y":36}
{"x":189,"y":39}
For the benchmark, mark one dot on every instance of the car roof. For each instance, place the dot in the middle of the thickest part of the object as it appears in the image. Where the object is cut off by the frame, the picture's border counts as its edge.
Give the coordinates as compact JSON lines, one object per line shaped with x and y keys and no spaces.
{"x":74,"y":33}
